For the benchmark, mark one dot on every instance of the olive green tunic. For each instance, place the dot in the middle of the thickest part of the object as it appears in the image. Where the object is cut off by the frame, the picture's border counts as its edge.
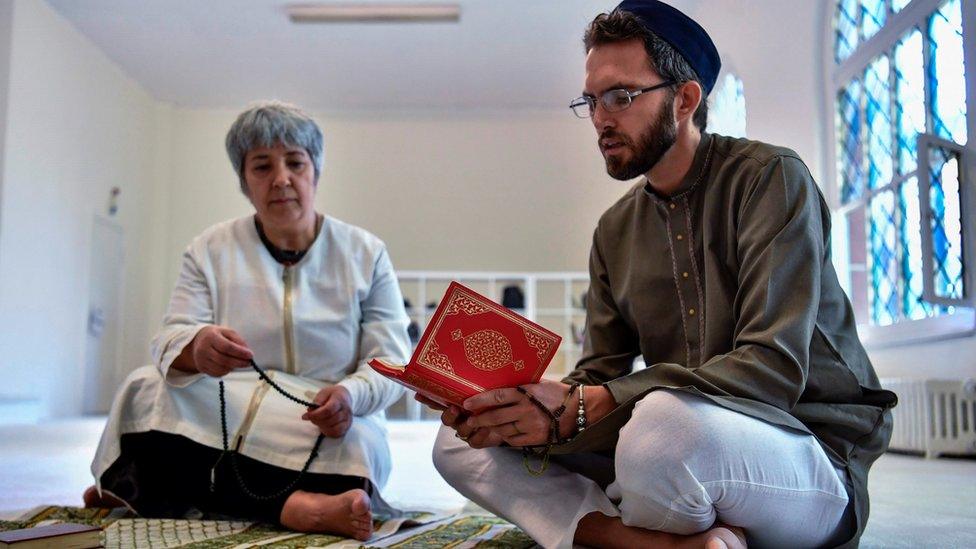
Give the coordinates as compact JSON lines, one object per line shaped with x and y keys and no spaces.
{"x":728,"y":291}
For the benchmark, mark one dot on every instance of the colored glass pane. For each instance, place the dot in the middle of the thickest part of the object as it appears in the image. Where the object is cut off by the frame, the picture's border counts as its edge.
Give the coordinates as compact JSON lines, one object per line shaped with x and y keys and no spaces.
{"x":877,"y":121}
{"x":727,"y":112}
{"x":913,"y":306}
{"x":909,"y":99}
{"x":883,"y":259}
{"x":946,"y":224}
{"x":873,"y":17}
{"x":849,"y":149}
{"x":946,"y":81}
{"x":845,"y":29}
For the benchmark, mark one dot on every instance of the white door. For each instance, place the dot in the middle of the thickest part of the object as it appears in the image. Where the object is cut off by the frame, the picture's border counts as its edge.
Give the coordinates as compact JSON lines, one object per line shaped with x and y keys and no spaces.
{"x":104,"y":326}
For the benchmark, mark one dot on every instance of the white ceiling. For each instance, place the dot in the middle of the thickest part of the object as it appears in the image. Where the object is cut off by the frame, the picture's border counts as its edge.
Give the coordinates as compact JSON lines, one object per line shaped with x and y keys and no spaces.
{"x":504,"y":54}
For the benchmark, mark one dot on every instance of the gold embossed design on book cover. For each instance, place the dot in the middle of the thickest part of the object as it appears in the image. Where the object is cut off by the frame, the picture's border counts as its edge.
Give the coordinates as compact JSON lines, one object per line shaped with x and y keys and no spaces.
{"x":436,"y":359}
{"x":466,"y":305}
{"x":538,"y":342}
{"x":487,"y":350}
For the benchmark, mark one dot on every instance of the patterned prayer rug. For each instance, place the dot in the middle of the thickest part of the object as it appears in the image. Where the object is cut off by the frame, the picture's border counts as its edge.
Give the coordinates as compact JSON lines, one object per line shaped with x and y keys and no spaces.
{"x":122,"y":529}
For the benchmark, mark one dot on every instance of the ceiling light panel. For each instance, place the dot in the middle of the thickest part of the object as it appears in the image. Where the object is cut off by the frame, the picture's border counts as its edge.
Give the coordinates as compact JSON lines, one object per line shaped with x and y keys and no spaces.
{"x":384,"y":13}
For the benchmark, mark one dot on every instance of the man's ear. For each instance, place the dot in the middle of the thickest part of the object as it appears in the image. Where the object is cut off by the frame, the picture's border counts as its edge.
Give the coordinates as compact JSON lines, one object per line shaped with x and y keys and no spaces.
{"x":687,"y":98}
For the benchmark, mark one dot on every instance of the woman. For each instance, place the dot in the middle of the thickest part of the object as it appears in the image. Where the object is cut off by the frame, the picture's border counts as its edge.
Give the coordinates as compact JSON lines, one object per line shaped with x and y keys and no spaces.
{"x":309,"y":299}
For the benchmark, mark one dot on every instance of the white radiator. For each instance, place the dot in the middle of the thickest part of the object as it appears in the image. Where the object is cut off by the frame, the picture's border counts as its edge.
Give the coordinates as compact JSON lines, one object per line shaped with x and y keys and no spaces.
{"x":934,"y":416}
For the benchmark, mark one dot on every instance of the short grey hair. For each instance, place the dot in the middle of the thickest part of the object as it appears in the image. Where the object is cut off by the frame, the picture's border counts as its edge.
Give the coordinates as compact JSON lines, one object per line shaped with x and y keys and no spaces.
{"x":269,"y":122}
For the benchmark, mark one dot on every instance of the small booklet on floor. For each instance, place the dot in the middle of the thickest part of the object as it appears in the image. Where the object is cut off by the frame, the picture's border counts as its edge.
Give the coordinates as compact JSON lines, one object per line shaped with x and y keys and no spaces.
{"x":65,"y":535}
{"x":472,"y":345}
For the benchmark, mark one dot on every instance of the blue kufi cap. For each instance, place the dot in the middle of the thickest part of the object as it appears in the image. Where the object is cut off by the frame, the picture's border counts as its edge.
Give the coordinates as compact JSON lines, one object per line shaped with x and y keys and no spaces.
{"x":683,"y":33}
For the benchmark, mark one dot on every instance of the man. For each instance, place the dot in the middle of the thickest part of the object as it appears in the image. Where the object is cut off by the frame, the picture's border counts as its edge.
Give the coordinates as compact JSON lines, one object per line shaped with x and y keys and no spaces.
{"x":758,"y":414}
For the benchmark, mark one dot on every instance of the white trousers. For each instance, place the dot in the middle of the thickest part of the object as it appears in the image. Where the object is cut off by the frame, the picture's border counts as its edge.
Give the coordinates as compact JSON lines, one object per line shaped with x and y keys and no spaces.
{"x":682,"y":462}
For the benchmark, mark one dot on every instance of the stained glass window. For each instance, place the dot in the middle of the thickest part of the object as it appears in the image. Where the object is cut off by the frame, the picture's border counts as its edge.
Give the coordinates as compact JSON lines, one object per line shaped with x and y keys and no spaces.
{"x":873,"y":16}
{"x":727,"y":111}
{"x":909,"y":99}
{"x":878,"y":122}
{"x":946,"y":224}
{"x":914,"y":85}
{"x":846,"y":29}
{"x":883,"y":260}
{"x":947,"y":82}
{"x":913,"y":306}
{"x":849,"y":142}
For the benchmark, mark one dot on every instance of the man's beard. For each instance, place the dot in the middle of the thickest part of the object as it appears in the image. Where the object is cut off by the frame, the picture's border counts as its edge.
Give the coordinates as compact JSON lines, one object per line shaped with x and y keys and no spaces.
{"x":657,"y":138}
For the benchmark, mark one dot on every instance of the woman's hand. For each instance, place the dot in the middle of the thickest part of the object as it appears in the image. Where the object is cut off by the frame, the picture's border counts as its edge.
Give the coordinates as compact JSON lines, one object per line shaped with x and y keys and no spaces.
{"x":215,"y":351}
{"x":454,"y":417}
{"x":333,"y":417}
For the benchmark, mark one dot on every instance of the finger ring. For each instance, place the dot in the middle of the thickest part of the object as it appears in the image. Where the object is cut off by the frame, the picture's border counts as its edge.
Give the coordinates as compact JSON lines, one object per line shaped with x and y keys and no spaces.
{"x":457,"y":434}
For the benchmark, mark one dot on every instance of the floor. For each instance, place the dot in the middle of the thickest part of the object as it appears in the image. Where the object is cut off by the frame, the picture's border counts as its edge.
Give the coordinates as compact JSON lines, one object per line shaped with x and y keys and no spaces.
{"x":915,"y":502}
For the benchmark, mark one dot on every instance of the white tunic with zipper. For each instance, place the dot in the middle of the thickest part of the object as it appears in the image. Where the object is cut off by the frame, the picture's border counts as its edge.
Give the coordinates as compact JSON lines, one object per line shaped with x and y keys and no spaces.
{"x":309,"y":325}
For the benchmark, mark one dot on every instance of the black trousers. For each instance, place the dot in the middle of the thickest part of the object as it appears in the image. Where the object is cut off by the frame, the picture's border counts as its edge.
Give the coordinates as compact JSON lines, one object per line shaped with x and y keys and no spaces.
{"x":164,"y":475}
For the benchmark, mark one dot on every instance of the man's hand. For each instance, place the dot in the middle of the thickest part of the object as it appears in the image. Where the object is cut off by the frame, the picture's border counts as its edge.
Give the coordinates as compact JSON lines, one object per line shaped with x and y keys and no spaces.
{"x":215,"y":351}
{"x":511,"y":416}
{"x":454,"y":417}
{"x":333,"y":417}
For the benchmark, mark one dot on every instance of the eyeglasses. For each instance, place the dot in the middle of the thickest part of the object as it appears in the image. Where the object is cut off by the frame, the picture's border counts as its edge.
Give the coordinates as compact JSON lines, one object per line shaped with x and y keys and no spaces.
{"x":612,"y":100}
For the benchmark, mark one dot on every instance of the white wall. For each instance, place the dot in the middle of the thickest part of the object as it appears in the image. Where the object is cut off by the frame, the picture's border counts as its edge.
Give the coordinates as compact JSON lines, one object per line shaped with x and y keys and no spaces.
{"x":953,"y":358}
{"x":6,"y":29}
{"x":76,"y":126}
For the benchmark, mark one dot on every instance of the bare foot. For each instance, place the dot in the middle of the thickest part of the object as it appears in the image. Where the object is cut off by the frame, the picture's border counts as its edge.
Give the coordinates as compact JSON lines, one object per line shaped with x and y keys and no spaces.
{"x":346,"y":514}
{"x":725,"y":537}
{"x":599,"y":530}
{"x":104,"y":500}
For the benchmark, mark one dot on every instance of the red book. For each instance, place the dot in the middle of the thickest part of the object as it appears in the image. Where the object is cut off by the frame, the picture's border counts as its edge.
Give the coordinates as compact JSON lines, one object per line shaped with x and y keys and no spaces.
{"x":471,"y":345}
{"x":64,"y":535}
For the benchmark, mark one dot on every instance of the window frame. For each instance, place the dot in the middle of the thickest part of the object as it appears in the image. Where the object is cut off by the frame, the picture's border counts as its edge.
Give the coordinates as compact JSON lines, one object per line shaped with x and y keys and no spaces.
{"x":961,"y":323}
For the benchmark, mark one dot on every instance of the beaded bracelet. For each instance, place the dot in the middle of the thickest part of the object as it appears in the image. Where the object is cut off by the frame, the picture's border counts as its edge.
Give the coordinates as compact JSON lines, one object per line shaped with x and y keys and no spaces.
{"x":581,"y":413}
{"x":542,"y":451}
